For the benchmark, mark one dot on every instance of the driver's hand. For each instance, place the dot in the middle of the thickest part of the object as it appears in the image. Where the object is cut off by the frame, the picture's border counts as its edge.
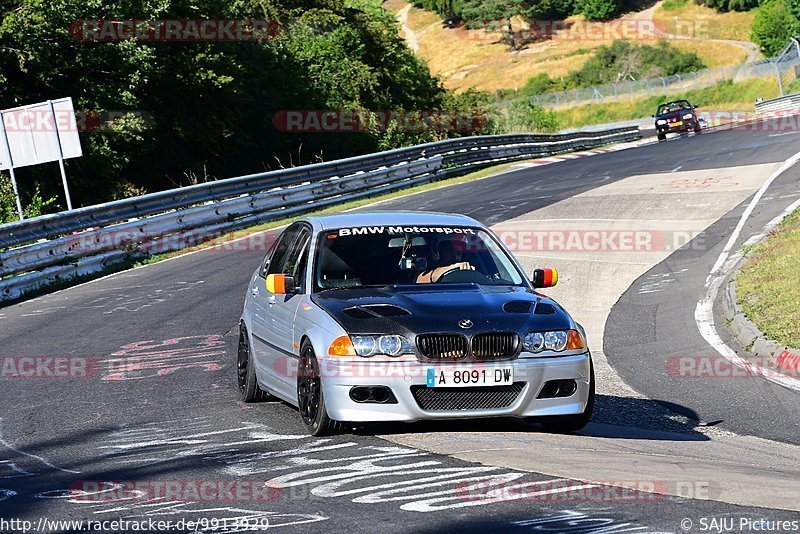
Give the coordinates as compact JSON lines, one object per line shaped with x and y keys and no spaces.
{"x":464,"y":266}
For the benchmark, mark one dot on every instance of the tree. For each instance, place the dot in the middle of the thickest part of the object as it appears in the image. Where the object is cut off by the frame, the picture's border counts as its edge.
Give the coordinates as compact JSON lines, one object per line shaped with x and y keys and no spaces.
{"x":598,"y":9}
{"x":210,"y":103}
{"x":773,"y":26}
{"x":486,"y":13}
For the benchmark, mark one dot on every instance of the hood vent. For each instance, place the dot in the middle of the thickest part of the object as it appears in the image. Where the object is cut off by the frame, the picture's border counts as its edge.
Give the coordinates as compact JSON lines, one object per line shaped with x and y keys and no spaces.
{"x":518,"y":306}
{"x":543,"y":308}
{"x":372,"y":311}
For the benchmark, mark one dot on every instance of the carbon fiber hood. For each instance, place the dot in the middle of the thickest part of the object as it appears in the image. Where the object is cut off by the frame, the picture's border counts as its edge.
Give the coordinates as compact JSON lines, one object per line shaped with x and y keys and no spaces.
{"x":419,"y":309}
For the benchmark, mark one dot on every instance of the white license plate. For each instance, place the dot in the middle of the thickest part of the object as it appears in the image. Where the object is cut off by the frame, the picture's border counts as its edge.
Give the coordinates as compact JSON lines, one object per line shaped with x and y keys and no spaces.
{"x":460,"y":377}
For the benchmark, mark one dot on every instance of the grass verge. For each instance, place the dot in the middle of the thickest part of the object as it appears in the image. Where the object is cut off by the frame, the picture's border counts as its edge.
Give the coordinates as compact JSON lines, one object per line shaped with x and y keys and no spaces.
{"x":726,"y":96}
{"x":768,"y":286}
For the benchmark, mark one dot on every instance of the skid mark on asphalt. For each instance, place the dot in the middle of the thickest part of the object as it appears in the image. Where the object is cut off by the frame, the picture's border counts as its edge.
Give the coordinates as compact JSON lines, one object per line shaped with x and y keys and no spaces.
{"x":658,"y":282}
{"x":149,"y":359}
{"x":120,"y":299}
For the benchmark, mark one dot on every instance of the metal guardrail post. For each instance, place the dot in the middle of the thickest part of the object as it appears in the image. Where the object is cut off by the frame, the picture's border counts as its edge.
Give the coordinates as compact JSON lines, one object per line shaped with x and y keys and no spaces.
{"x":780,"y":81}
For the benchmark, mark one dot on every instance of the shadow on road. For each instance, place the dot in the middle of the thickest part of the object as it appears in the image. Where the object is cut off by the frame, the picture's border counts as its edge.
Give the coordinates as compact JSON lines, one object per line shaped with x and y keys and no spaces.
{"x":614,"y":417}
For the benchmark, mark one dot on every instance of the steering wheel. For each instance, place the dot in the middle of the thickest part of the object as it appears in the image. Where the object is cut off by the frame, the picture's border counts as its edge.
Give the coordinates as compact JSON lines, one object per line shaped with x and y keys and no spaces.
{"x":463,"y":276}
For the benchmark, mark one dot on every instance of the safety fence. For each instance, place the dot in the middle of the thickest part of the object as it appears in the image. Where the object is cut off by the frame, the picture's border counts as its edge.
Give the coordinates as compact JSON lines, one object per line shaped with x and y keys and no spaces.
{"x":34,"y":252}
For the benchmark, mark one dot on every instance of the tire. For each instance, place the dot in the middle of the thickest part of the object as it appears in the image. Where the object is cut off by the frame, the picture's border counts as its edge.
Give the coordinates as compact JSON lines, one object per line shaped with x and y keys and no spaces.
{"x":661,"y":137}
{"x":565,"y":424}
{"x":246,"y":371}
{"x":310,"y":398}
{"x":697,"y":129}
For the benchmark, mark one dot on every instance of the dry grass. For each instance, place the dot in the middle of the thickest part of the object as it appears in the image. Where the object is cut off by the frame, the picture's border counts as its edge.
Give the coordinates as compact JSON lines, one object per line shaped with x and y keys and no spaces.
{"x":700,"y":21}
{"x":464,"y":58}
{"x":713,"y":53}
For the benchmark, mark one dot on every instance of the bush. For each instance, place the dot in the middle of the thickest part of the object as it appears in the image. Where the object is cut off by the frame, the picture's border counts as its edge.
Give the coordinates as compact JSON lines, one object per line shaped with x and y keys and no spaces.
{"x":598,"y":9}
{"x":773,"y":26}
{"x":523,"y":116}
{"x":625,"y":61}
{"x":32,"y":208}
{"x":542,"y":83}
{"x":669,"y":5}
{"x":730,"y":5}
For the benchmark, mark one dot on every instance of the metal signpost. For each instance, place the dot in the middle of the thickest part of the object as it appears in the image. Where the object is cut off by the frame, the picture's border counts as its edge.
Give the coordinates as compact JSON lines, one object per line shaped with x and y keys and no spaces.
{"x":39,"y":133}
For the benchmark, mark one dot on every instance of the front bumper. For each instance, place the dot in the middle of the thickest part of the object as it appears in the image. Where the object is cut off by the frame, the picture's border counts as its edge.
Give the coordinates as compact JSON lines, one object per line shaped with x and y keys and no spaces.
{"x":685,"y":126}
{"x":339,"y":377}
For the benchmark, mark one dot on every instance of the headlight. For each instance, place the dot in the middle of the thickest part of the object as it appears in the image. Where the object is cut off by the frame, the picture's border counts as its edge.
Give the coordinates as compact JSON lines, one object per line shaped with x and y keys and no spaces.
{"x":533,"y":342}
{"x":556,"y":341}
{"x":687,"y":116}
{"x":661,"y":121}
{"x":391,"y":345}
{"x":365,"y":345}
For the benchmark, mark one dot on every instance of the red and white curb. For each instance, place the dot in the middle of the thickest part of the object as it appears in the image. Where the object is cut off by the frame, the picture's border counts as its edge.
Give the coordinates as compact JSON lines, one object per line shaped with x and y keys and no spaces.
{"x":575,"y":155}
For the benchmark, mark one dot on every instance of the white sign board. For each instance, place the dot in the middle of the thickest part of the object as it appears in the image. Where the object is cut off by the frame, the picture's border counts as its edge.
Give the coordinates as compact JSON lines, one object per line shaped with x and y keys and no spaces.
{"x":36,"y":132}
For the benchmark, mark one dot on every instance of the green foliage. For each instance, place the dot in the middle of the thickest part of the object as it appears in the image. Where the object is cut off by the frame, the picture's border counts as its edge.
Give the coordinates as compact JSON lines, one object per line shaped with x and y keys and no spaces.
{"x":670,"y":5}
{"x":543,"y":83}
{"x":450,"y":9}
{"x":730,"y":5}
{"x":211,"y":103}
{"x":32,"y":207}
{"x":622,"y":61}
{"x":773,"y":26}
{"x":523,"y":116}
{"x":723,"y":95}
{"x":496,"y":14}
{"x":548,"y":9}
{"x":626,"y":61}
{"x":598,"y":9}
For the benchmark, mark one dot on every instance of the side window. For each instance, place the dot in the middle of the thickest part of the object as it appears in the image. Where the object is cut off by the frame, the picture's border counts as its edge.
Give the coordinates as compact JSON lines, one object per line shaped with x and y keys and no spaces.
{"x":267,"y":257}
{"x":281,"y":250}
{"x":297,"y":258}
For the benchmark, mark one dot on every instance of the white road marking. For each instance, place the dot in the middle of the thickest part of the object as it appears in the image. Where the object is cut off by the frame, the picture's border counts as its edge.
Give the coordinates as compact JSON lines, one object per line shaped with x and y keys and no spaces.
{"x":704,"y":312}
{"x":14,"y":449}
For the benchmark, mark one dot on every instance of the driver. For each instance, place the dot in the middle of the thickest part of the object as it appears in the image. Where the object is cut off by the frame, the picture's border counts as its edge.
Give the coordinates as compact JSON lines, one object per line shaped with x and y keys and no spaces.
{"x":449,"y":261}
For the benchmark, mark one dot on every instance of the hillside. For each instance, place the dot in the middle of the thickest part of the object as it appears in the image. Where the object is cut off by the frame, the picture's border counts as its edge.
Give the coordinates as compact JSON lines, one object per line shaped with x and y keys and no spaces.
{"x":472,"y":58}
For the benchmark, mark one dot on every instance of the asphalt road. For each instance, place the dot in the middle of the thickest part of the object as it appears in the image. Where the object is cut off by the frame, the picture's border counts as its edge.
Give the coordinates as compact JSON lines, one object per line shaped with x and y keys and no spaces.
{"x":158,"y":403}
{"x":652,"y":325}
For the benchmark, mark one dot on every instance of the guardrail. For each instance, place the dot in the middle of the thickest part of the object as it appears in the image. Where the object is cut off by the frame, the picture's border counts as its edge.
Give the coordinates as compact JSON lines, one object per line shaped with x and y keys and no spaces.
{"x":783,"y":103}
{"x":86,"y":240}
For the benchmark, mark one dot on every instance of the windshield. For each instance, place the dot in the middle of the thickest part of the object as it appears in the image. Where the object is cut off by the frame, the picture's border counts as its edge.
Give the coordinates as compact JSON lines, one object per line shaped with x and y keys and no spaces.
{"x":673,"y":106}
{"x":388,"y":255}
